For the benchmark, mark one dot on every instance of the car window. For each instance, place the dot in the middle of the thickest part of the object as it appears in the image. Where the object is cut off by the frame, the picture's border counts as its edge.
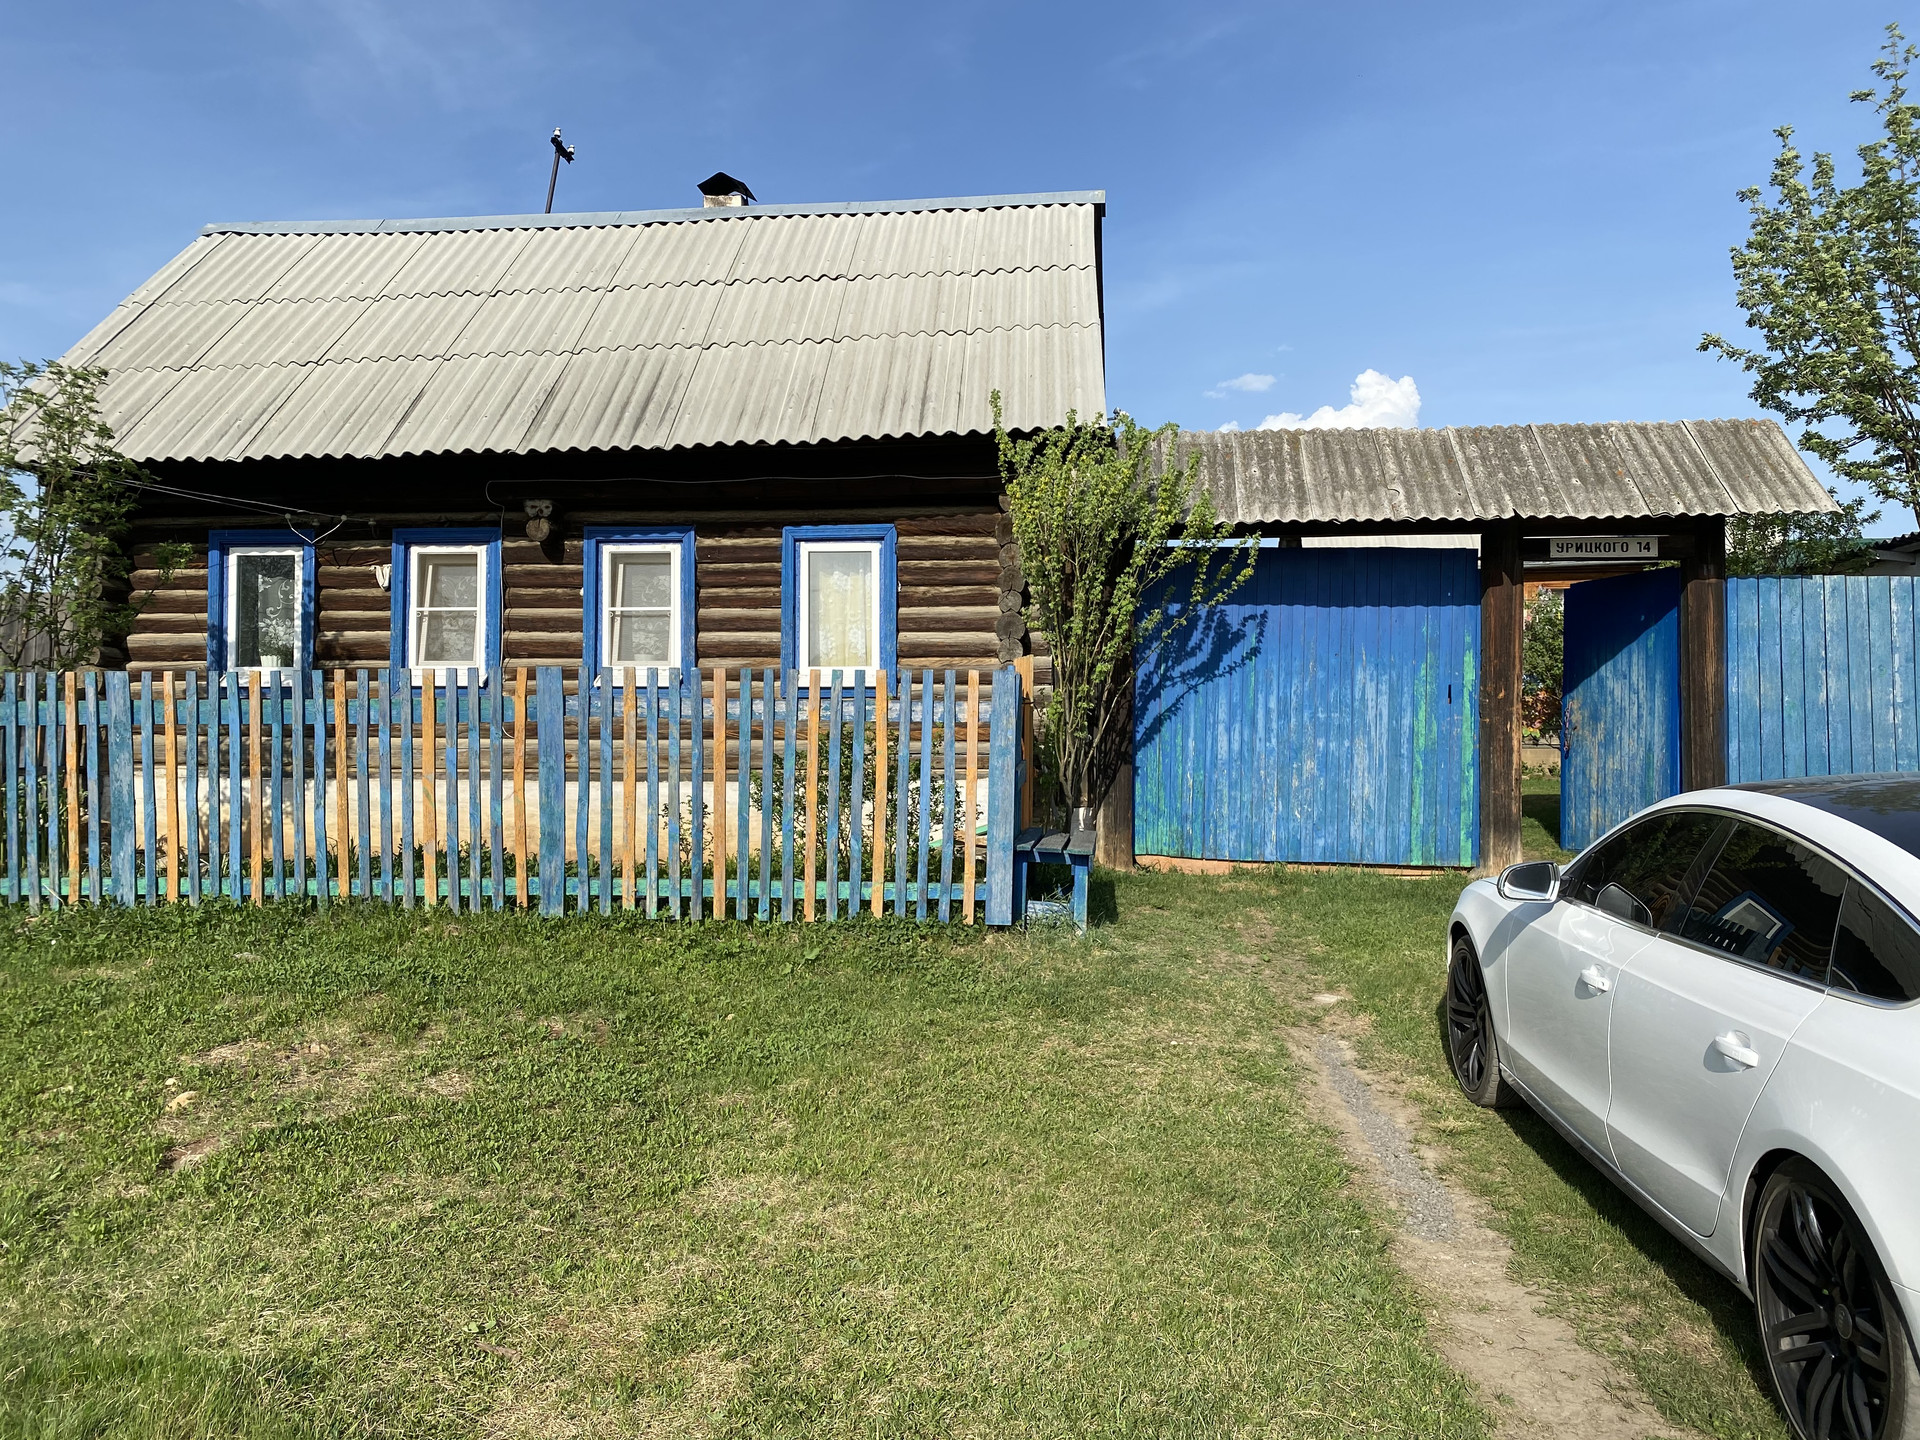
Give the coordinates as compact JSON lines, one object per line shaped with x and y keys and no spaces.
{"x":1642,"y":873}
{"x":1768,"y":900}
{"x":1877,"y":951}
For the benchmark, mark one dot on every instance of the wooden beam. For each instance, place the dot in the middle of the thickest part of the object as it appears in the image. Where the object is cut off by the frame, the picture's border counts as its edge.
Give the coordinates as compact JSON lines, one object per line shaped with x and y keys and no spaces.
{"x":1502,"y":617}
{"x":1703,"y":657}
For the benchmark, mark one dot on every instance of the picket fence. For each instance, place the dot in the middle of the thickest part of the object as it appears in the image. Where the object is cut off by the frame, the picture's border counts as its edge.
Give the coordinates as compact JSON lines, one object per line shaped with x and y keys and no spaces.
{"x":743,"y":795}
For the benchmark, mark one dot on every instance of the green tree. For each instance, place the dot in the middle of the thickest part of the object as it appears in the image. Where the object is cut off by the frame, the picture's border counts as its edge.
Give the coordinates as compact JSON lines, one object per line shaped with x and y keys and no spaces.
{"x":1105,"y":519}
{"x":1542,"y":663}
{"x":1830,"y":278}
{"x":1829,"y":544}
{"x":66,"y":497}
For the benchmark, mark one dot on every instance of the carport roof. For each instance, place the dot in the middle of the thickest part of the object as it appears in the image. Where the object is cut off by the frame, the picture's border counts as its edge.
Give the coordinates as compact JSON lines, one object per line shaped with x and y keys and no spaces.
{"x":1496,"y":472}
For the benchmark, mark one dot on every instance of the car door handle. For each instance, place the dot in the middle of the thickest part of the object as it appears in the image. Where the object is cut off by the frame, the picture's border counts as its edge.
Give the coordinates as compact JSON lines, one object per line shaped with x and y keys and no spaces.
{"x":1595,"y":979}
{"x":1736,"y":1047}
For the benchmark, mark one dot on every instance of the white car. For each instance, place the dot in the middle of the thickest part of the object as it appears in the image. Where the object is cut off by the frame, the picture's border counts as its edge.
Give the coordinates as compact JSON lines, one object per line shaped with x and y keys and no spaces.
{"x":1715,"y":1004}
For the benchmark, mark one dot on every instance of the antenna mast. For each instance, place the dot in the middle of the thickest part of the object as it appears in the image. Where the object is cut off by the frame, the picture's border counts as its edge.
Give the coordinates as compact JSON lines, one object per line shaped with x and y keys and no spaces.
{"x":561,"y":151}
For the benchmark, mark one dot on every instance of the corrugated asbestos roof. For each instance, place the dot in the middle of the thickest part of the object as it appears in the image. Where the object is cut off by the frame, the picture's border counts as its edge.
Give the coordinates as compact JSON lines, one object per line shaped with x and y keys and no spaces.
{"x":1493,"y":472}
{"x":644,"y":329}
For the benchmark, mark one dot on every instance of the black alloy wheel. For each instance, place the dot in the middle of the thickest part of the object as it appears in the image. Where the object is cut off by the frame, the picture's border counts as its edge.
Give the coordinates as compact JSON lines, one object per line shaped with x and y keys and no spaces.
{"x":1473,"y":1051}
{"x":1831,"y":1328}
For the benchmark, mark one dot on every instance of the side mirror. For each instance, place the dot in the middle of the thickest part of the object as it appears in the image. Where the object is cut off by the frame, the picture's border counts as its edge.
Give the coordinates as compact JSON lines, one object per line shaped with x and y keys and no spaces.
{"x":1536,"y":880}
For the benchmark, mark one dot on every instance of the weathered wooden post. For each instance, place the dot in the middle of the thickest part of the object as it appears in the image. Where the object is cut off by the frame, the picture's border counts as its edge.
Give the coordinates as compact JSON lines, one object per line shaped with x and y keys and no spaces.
{"x":1502,"y":620}
{"x":1703,"y":656}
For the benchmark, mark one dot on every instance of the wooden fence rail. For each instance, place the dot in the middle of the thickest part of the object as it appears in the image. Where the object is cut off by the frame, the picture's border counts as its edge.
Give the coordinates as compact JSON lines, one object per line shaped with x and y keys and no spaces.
{"x":743,"y":795}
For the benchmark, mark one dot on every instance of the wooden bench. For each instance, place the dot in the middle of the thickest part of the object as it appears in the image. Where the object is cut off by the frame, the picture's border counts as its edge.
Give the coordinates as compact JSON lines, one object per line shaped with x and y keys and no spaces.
{"x":1035,"y":846}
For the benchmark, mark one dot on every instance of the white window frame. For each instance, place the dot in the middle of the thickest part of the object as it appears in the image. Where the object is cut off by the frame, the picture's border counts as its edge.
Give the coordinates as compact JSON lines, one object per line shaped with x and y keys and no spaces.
{"x":444,"y":674}
{"x":232,"y":561}
{"x":802,"y":640}
{"x":610,"y":552}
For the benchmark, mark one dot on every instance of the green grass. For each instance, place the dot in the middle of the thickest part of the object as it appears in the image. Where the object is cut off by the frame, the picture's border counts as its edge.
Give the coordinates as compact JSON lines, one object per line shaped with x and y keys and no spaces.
{"x":1630,"y":1290}
{"x":502,"y":1176}
{"x":1540,"y":818}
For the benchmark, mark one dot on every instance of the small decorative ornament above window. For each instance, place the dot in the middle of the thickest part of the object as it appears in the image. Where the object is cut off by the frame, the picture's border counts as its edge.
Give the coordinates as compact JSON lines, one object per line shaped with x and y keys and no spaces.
{"x":1604,"y":547}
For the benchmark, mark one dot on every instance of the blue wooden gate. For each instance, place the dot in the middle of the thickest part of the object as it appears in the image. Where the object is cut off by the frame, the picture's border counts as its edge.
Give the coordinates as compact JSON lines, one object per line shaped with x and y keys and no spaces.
{"x":1620,"y":722}
{"x":1328,"y":713}
{"x":1823,"y":676}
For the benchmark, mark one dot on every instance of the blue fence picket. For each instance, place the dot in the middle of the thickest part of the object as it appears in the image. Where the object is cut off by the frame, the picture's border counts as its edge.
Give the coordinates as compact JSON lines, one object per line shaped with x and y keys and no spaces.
{"x":606,"y":854}
{"x":949,"y":797}
{"x":14,"y":854}
{"x":832,"y":886}
{"x":550,"y":733}
{"x":322,"y":871}
{"x":789,"y":726}
{"x":857,"y":794}
{"x":903,"y":795}
{"x":673,"y":719}
{"x":1003,"y":802}
{"x":496,"y":798}
{"x":95,"y":885}
{"x":54,"y":789}
{"x":651,"y":739}
{"x":743,"y":897}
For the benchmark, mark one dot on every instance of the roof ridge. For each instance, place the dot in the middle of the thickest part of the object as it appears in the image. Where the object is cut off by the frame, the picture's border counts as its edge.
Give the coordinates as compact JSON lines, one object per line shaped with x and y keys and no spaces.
{"x":608,"y":219}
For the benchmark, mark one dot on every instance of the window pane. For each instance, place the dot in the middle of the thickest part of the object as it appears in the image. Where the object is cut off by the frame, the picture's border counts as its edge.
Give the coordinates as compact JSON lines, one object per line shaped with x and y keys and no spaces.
{"x":640,"y":640}
{"x":450,"y":580}
{"x":1877,"y":952}
{"x":643,"y":580}
{"x":1654,"y":862}
{"x":266,"y":611}
{"x":447,"y":638}
{"x":1768,"y":900}
{"x":840,"y":589}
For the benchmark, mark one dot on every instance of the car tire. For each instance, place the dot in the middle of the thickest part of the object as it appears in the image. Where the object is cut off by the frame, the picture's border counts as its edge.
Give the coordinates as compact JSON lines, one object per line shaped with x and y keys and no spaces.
{"x":1473,"y":1050}
{"x":1830,"y":1325}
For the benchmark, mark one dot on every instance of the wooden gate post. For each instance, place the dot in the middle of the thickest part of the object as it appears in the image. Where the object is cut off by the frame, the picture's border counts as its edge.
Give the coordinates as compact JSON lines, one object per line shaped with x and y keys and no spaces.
{"x":1502,"y":620}
{"x":1703,"y":657}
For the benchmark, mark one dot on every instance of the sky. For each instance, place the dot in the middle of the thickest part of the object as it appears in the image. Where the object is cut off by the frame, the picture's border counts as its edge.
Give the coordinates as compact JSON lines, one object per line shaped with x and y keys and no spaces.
{"x":1397,"y":213}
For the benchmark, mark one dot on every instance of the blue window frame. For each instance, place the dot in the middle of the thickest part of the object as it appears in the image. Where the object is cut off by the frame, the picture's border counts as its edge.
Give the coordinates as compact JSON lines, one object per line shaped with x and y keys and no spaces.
{"x":241,"y":580}
{"x":414,"y":555}
{"x":609,"y":610}
{"x":802,"y":631}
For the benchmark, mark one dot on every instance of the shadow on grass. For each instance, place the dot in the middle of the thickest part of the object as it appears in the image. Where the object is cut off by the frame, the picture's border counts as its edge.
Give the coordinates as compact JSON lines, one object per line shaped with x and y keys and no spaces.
{"x":1728,"y":1310}
{"x":1544,"y":811}
{"x":1055,"y":882}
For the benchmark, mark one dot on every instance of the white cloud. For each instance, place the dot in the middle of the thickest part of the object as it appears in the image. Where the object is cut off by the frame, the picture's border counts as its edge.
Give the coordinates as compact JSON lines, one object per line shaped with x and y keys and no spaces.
{"x":1231,"y":425}
{"x":1248,"y":384}
{"x":1377,"y":402}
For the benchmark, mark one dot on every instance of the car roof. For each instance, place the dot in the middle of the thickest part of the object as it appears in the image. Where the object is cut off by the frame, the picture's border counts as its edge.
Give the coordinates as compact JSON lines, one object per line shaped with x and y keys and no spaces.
{"x":1887,"y":805}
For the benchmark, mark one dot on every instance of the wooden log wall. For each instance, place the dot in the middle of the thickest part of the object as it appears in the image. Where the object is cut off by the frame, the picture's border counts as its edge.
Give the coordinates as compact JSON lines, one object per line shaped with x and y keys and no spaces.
{"x":960,"y":591}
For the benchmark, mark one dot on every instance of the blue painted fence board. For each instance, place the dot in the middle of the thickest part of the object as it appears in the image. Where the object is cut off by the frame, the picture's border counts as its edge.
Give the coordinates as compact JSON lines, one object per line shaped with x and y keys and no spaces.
{"x":1327,"y":713}
{"x":1847,"y":698}
{"x":1620,"y":725}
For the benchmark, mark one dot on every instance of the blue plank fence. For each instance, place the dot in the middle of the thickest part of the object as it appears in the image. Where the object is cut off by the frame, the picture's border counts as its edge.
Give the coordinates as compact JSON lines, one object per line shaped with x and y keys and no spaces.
{"x":1326,"y":713}
{"x":1823,"y":676}
{"x":681,"y":795}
